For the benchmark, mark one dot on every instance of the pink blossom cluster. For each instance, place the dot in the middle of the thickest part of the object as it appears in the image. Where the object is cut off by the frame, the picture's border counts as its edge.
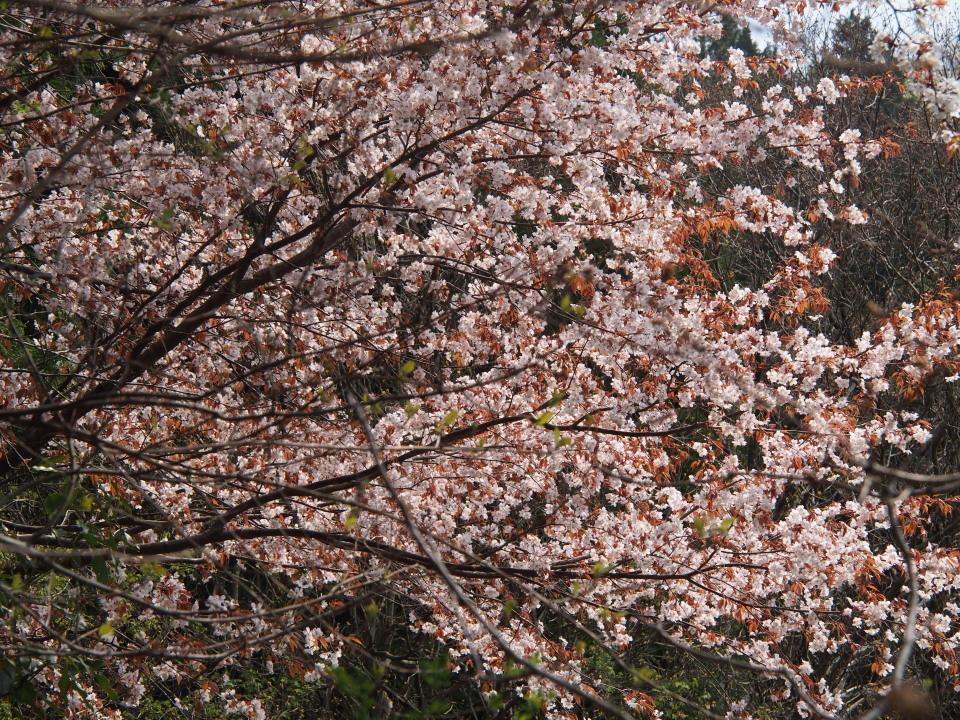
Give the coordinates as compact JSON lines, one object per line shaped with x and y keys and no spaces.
{"x":427,"y":306}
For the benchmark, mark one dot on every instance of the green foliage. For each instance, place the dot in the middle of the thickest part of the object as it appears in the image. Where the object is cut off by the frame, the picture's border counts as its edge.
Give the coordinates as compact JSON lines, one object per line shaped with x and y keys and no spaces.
{"x":531,"y":707}
{"x":359,"y":689}
{"x":852,"y":37}
{"x":691,"y":689}
{"x":734,"y":36}
{"x":16,"y":685}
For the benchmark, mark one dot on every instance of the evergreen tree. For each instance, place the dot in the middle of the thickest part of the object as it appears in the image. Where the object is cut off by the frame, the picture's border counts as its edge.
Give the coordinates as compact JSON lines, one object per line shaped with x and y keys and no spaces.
{"x":734,"y":36}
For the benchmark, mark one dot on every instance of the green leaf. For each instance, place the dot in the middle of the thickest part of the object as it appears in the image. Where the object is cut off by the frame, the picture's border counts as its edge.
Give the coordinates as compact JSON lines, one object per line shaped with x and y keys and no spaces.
{"x":389,"y":175}
{"x":155,"y":569}
{"x":23,"y":694}
{"x":545,"y":418}
{"x":439,"y":707}
{"x":101,"y":570}
{"x":107,"y":687}
{"x":66,"y":683}
{"x":599,"y":569}
{"x":700,"y":525}
{"x":448,"y":420}
{"x":299,"y":165}
{"x":565,"y":302}
{"x":86,"y":503}
{"x":726,"y":525}
{"x":351,"y":519}
{"x":105,"y":631}
{"x":51,"y":462}
{"x":306,"y":148}
{"x":55,"y":503}
{"x":411,"y":409}
{"x":536,"y":701}
{"x":436,"y":672}
{"x":558,"y":397}
{"x":407,"y":368}
{"x":646,"y":673}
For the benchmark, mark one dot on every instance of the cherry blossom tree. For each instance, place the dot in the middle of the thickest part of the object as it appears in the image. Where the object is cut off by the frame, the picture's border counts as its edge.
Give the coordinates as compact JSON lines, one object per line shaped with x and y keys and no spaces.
{"x":316,"y":308}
